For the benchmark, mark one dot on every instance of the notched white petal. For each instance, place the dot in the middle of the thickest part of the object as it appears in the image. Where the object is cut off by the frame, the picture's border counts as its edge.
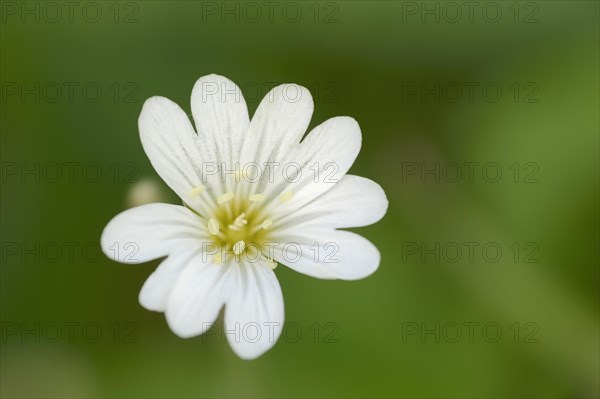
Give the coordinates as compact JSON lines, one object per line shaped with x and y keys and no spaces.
{"x":174,"y":149}
{"x":197,"y":297}
{"x":220,"y":115}
{"x":150,"y":231}
{"x":353,"y":202}
{"x":255,"y":309}
{"x":278,"y":124}
{"x":325,"y":253}
{"x":158,"y":286}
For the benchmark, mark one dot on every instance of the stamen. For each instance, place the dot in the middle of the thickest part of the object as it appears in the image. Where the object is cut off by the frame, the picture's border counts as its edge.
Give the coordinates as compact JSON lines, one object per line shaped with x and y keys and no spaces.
{"x":197,"y":191}
{"x":224,"y":198}
{"x":213,"y":226}
{"x":285,"y":197}
{"x":239,"y":222}
{"x":267,"y":223}
{"x":238,"y":247}
{"x":234,"y":233}
{"x":258,"y":197}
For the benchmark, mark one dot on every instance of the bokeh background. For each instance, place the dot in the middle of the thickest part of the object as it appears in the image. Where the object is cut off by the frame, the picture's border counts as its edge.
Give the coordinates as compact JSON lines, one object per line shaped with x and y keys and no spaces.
{"x":72,"y":88}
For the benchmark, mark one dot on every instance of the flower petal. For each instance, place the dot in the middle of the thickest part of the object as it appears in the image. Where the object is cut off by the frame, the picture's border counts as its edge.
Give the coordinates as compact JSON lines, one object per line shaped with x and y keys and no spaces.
{"x":326,"y":253}
{"x":353,"y":202}
{"x":197,"y":297}
{"x":254,"y":313}
{"x":321,"y":160}
{"x":221,"y":118}
{"x":155,"y":292}
{"x":170,"y":143}
{"x":278,"y":124}
{"x":151,"y":231}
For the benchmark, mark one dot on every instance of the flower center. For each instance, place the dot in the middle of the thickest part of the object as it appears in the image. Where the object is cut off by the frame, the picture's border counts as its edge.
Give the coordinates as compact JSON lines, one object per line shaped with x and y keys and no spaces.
{"x":239,"y":228}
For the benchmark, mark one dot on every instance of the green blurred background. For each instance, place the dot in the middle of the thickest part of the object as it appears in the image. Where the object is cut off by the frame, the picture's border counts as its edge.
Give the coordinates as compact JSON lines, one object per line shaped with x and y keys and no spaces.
{"x":534,"y":308}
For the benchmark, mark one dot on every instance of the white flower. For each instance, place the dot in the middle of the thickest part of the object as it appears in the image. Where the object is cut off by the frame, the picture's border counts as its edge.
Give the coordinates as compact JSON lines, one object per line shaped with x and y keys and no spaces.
{"x":253,"y":195}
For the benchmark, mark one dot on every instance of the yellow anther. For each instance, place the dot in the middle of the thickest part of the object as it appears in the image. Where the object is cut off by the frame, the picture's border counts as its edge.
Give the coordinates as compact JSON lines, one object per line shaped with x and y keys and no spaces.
{"x":197,"y":191}
{"x":258,"y":197}
{"x":213,"y":226}
{"x":238,"y":247}
{"x":267,"y":223}
{"x":239,"y":222}
{"x":272,"y":264}
{"x":217,"y":258}
{"x":225,"y":198}
{"x":285,"y":197}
